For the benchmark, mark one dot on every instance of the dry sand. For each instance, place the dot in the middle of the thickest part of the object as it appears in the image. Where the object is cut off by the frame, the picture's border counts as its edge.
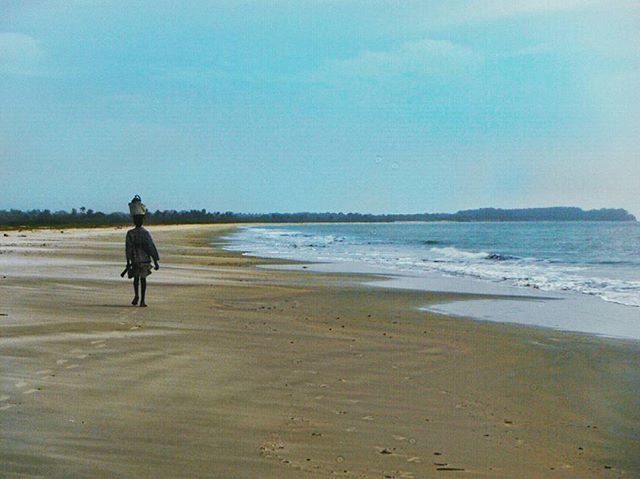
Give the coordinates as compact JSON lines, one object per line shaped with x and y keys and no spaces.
{"x":239,"y":372}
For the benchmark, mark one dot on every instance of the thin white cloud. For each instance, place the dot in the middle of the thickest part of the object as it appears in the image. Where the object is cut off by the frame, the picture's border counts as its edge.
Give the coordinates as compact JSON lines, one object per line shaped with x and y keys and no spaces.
{"x":426,"y":58}
{"x":21,"y":54}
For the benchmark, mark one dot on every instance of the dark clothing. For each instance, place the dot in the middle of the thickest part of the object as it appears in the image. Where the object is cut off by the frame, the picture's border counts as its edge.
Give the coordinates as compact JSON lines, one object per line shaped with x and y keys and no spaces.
{"x":139,"y":270}
{"x":140,"y":247}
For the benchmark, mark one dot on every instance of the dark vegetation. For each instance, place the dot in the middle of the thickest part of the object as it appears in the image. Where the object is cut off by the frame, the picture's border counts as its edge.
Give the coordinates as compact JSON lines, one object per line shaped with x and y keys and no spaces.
{"x":88,"y":217}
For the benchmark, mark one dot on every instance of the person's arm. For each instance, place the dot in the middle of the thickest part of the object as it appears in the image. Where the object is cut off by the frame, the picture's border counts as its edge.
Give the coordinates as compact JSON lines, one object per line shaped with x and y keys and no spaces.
{"x":129,"y":249}
{"x":151,"y":250}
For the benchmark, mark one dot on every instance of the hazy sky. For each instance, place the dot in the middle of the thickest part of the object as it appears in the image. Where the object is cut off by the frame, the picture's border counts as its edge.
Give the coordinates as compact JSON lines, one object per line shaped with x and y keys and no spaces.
{"x":373,"y":106}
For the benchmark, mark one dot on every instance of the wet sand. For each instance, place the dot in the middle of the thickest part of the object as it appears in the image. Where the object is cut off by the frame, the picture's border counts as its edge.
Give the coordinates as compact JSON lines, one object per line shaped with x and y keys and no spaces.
{"x":239,"y":372}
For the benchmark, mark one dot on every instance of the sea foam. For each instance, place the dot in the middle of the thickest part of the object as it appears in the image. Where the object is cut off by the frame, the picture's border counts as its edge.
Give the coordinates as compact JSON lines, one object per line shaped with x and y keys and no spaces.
{"x":543,"y":257}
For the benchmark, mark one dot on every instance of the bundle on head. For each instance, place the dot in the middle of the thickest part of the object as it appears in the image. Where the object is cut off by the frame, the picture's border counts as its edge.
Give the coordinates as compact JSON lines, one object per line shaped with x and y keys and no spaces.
{"x":136,"y":207}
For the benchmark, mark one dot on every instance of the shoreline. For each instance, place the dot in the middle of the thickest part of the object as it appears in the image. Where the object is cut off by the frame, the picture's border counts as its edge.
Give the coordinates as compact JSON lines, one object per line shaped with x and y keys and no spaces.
{"x":238,"y":371}
{"x":568,"y":311}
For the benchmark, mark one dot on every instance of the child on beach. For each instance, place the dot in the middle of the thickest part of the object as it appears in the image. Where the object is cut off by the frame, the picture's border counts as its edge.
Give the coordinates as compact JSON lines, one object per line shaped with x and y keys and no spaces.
{"x":140,"y":250}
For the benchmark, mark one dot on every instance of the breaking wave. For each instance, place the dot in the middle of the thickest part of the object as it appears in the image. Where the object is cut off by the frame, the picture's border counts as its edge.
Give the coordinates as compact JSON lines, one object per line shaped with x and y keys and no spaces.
{"x":396,"y":253}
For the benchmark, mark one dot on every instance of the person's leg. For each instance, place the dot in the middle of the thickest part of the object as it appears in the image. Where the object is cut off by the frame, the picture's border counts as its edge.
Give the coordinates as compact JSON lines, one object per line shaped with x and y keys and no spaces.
{"x":143,"y":290}
{"x":135,"y":290}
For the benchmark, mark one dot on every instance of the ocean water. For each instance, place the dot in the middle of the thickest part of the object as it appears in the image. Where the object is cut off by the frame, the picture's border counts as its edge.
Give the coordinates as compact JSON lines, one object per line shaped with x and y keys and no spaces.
{"x":596,"y":259}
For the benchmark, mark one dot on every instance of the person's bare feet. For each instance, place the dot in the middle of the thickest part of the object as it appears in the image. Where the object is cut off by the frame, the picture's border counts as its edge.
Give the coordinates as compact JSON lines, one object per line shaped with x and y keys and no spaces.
{"x":135,"y":301}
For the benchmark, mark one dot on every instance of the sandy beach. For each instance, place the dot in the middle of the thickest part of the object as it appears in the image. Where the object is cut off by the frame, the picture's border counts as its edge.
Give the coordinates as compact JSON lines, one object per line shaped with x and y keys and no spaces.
{"x":235,"y":371}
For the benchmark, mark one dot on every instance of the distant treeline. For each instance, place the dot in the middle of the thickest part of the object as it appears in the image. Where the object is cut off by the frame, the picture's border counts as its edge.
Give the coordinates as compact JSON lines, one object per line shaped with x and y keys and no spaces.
{"x":88,"y":217}
{"x":543,"y":214}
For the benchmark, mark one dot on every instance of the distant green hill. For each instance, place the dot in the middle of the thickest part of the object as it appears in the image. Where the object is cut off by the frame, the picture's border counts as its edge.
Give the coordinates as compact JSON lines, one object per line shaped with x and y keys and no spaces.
{"x":544,"y":214}
{"x":46,"y":218}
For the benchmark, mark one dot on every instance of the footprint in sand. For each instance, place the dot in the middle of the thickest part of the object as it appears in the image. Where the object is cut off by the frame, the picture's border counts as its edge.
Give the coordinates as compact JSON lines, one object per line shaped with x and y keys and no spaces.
{"x":72,"y":366}
{"x":367,"y":418}
{"x":98,"y":341}
{"x":386,"y":450}
{"x":61,"y":361}
{"x":415,"y":459}
{"x":82,"y":356}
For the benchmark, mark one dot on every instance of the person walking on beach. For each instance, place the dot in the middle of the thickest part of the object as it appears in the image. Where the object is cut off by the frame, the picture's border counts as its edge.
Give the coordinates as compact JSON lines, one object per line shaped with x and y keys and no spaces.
{"x":140,"y":251}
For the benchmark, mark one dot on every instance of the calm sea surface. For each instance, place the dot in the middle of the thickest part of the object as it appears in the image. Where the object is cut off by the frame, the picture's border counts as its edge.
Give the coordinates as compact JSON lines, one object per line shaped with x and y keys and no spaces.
{"x":599,"y":259}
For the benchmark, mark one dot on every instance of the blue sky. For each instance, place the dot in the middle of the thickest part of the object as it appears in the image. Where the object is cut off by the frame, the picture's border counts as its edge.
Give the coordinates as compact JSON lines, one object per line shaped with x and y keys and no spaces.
{"x":372,"y":106}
